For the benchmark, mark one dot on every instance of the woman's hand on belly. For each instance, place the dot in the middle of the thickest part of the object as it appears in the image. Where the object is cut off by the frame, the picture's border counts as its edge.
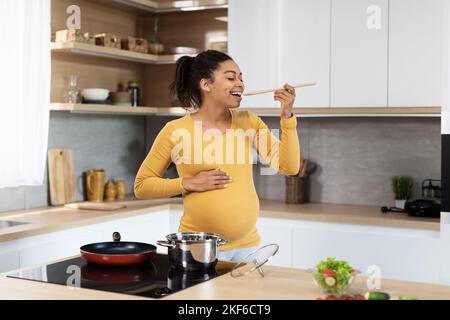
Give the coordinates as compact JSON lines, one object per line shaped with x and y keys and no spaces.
{"x":207,"y":180}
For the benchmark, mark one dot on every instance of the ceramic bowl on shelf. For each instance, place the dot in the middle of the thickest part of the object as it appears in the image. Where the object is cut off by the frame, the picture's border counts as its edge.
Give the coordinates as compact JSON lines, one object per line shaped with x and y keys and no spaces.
{"x":95,"y":94}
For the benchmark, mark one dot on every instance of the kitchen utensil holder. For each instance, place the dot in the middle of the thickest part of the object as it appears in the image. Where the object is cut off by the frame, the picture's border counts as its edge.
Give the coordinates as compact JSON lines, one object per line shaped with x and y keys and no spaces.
{"x":297,"y":189}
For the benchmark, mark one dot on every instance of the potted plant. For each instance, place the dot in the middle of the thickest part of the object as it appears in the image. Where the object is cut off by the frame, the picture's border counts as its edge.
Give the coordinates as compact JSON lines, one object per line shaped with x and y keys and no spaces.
{"x":401,"y":186}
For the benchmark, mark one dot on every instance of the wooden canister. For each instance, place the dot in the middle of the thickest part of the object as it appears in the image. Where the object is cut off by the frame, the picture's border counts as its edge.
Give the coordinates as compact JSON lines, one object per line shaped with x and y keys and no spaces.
{"x":108,"y":40}
{"x":95,"y":182}
{"x":73,"y":35}
{"x":121,"y":189}
{"x":135,"y":44}
{"x":110,"y":190}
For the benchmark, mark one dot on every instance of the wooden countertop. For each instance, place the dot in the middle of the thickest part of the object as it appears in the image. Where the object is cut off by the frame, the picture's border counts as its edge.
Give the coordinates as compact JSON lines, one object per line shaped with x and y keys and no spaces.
{"x":51,"y":219}
{"x":342,"y":213}
{"x":278,"y":284}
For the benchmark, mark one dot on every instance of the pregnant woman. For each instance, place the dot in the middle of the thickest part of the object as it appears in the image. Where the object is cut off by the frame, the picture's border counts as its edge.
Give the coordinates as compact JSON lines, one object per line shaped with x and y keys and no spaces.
{"x":213,"y":148}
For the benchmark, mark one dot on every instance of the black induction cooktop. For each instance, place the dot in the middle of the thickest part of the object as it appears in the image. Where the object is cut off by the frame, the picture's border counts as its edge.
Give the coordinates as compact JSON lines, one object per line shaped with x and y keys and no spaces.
{"x":154,"y":279}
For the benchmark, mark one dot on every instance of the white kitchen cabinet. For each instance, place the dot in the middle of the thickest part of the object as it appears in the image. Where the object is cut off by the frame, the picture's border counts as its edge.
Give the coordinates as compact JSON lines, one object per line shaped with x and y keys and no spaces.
{"x":253,"y":42}
{"x":305,"y":49}
{"x":415,"y":52}
{"x":53,"y":247}
{"x":9,"y":260}
{"x":402,"y":254}
{"x":147,"y":228}
{"x":359,"y":53}
{"x":275,"y":42}
{"x":277,"y":231}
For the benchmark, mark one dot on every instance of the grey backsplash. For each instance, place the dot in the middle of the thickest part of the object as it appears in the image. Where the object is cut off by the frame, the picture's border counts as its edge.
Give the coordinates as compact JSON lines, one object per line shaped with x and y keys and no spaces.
{"x":356,"y":156}
{"x":114,"y":143}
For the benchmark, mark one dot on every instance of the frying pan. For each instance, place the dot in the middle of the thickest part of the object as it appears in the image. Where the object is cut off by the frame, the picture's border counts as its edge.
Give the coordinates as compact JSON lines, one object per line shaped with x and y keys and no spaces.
{"x":118,"y":253}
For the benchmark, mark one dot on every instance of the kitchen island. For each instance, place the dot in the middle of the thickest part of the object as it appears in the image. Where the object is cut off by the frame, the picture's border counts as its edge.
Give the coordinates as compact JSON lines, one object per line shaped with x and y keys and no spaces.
{"x":278,"y":284}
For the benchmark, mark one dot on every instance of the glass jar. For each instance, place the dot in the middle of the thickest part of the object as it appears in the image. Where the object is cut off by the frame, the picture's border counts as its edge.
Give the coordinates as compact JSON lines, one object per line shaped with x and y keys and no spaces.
{"x":156,"y":47}
{"x":135,"y":92}
{"x":72,"y":93}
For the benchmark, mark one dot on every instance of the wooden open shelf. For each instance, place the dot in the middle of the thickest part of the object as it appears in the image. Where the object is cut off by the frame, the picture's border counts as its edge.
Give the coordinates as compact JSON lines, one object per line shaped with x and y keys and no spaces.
{"x":172,"y":6}
{"x":111,"y":109}
{"x":300,"y":112}
{"x":112,"y":53}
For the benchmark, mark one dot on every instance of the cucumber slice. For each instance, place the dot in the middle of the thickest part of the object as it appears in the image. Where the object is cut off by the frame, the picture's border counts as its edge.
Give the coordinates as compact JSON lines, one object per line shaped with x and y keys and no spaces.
{"x":330,"y":281}
{"x":376,"y":295}
{"x":407,"y":298}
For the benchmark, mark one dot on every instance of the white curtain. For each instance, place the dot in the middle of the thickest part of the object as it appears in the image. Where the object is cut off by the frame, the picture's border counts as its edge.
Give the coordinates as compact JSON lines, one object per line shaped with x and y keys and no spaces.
{"x":25,"y":62}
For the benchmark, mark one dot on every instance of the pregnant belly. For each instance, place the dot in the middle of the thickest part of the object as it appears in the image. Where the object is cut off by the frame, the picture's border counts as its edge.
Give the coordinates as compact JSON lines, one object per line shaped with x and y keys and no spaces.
{"x":226,"y":212}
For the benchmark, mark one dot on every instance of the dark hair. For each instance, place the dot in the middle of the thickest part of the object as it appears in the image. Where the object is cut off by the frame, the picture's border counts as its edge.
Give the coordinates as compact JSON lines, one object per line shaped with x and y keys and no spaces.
{"x":188,"y":73}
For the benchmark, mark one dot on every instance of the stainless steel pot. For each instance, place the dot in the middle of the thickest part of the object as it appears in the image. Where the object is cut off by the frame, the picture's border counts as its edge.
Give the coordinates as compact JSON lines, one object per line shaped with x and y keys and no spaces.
{"x":193,"y":250}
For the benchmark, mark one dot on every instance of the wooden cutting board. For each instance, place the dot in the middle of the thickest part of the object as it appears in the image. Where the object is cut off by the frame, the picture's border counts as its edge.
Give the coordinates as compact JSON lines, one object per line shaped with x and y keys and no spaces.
{"x":61,"y":176}
{"x":95,"y":206}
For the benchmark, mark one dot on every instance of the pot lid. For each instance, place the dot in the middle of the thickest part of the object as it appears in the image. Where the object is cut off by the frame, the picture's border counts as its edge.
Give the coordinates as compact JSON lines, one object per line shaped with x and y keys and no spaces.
{"x":255,"y":260}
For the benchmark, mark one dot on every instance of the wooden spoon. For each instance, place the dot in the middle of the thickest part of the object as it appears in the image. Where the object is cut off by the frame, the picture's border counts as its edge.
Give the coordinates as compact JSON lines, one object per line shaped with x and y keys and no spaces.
{"x":304,"y":166}
{"x":300,"y":85}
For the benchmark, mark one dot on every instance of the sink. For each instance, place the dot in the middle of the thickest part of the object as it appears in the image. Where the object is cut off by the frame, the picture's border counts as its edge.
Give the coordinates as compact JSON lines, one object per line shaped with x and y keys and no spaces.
{"x":8,"y":224}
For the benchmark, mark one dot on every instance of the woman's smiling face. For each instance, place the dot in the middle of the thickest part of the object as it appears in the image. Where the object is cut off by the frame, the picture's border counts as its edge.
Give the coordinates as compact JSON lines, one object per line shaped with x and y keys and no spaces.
{"x":227,"y":87}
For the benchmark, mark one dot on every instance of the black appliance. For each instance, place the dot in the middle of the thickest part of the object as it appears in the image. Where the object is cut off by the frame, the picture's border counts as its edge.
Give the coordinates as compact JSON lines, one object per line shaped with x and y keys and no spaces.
{"x":423,"y":208}
{"x":430,"y":204}
{"x":154,"y":279}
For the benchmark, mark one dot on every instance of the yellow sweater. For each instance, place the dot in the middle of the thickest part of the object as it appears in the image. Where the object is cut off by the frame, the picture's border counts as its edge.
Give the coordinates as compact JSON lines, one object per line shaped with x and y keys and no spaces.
{"x":231,"y":212}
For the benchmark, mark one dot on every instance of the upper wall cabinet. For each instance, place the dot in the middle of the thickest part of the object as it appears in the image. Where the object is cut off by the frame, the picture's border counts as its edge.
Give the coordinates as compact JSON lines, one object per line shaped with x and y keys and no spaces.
{"x":361,"y":53}
{"x":415,"y":56}
{"x":305,"y":49}
{"x":275,"y":42}
{"x":253,"y":44}
{"x":359,"y":59}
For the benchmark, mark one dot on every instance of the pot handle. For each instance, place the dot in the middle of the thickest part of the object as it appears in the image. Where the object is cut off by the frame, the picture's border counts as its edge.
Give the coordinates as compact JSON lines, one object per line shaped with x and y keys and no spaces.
{"x":221,"y":241}
{"x":165,"y":243}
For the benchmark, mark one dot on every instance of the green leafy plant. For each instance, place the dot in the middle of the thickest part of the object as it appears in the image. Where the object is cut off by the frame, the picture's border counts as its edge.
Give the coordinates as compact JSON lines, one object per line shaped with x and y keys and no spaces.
{"x":401,"y":186}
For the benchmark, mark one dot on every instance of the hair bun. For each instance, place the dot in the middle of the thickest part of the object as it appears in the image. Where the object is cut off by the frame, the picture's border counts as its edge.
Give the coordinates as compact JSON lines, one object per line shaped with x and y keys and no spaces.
{"x":186,"y":59}
{"x":186,"y":83}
